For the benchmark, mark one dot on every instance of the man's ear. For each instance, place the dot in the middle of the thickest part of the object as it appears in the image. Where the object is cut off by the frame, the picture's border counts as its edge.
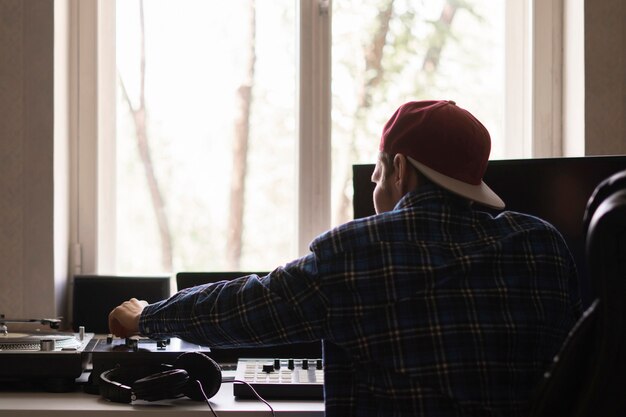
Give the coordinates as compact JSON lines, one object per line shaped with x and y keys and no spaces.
{"x":405,"y":178}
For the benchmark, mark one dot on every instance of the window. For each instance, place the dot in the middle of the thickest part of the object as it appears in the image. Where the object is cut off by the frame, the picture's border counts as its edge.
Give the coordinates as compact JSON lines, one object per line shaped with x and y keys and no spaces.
{"x":218,"y":154}
{"x":389,"y":52}
{"x":205,"y":138}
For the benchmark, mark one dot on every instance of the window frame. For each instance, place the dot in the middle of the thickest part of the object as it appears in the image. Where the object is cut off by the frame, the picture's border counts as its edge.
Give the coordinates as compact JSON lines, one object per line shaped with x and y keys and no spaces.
{"x":533,"y":125}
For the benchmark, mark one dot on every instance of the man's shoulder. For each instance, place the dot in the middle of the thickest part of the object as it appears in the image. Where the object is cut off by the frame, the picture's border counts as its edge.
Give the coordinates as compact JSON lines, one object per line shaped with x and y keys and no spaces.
{"x":535,"y":230}
{"x":356,"y":233}
{"x":524,"y":221}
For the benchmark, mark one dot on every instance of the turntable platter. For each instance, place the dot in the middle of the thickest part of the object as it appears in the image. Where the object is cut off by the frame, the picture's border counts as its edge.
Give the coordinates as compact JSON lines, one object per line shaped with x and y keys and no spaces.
{"x":32,"y":341}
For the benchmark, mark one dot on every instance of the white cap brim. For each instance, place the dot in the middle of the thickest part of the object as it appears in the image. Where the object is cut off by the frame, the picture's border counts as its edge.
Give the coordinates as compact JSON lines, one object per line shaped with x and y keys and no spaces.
{"x":480,"y":193}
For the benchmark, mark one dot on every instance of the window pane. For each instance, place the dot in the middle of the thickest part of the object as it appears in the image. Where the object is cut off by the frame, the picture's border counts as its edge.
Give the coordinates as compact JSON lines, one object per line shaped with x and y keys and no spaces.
{"x":220,"y":132}
{"x":388,"y":52}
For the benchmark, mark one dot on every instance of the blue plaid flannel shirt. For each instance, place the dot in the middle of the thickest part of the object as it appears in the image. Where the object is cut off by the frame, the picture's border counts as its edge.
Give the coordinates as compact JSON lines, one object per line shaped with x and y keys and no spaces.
{"x":432,"y":309}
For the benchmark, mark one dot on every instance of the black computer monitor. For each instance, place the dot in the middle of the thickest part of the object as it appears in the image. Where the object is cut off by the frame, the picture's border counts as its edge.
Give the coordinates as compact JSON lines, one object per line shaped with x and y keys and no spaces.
{"x":191,"y":279}
{"x":554,"y":189}
{"x":224,"y":356}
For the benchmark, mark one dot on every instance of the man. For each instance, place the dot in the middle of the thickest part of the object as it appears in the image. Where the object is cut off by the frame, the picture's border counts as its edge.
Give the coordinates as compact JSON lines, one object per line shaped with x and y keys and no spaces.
{"x":432,"y":307}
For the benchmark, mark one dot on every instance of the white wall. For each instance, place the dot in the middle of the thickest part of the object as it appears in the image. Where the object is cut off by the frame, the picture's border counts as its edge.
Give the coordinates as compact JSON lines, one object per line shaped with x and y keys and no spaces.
{"x":605,"y":77}
{"x":27,"y":284}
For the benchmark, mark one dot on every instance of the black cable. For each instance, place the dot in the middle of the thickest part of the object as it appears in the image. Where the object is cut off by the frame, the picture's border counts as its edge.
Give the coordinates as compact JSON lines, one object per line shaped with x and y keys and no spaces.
{"x":205,"y":397}
{"x":256,"y":394}
{"x":239,"y":382}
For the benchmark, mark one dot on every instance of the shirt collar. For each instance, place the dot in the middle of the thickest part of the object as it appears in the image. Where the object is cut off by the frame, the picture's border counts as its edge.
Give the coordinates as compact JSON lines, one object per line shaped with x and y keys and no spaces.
{"x":431,"y":194}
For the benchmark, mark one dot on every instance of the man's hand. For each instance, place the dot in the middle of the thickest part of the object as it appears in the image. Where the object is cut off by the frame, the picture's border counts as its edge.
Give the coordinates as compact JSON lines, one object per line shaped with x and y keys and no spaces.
{"x":124,"y":319}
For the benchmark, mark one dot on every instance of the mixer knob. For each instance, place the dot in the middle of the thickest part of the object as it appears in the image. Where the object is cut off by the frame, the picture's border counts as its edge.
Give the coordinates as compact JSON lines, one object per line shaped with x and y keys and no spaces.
{"x":133,"y":343}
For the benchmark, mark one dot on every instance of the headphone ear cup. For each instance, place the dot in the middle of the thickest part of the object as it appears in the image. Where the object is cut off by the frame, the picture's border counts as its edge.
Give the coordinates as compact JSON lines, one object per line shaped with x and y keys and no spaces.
{"x":200,"y":367}
{"x":160,"y":386}
{"x":118,"y":384}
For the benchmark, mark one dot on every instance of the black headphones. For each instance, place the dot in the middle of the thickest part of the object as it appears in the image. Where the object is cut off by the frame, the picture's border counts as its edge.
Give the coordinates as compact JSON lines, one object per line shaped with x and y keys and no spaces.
{"x":153,"y":383}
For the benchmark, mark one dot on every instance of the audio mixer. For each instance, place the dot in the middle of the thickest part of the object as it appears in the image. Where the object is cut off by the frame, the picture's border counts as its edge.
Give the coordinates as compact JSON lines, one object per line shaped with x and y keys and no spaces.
{"x":280,"y":378}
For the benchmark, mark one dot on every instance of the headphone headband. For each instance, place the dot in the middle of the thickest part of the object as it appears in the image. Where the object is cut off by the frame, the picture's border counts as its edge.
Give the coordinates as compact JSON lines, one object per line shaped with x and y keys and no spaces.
{"x":153,"y":383}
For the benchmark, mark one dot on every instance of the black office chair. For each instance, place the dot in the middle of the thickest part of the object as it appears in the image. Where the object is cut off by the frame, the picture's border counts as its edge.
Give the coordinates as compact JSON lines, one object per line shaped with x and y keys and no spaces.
{"x":588,"y":375}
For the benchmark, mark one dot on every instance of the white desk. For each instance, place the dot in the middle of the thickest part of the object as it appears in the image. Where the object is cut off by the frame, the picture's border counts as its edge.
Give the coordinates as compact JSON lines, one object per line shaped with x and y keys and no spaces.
{"x":79,"y":404}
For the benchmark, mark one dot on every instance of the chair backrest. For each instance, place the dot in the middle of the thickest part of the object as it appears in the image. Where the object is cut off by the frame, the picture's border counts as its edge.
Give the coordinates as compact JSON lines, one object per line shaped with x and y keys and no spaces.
{"x":587,"y":377}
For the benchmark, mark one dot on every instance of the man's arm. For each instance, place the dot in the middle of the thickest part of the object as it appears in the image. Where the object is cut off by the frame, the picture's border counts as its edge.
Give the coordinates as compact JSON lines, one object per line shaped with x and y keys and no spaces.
{"x":285,"y":306}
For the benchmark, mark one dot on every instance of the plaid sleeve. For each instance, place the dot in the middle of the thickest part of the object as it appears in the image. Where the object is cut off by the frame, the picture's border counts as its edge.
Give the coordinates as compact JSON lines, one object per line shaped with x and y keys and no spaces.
{"x":282,"y":307}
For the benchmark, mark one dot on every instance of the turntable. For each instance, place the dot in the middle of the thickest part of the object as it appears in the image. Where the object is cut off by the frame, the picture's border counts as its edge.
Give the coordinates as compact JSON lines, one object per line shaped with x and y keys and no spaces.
{"x":52,"y":358}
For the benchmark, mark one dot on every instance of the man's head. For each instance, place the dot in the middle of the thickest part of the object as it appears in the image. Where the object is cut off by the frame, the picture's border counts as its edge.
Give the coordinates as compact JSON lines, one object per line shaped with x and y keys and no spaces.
{"x":434,"y":140}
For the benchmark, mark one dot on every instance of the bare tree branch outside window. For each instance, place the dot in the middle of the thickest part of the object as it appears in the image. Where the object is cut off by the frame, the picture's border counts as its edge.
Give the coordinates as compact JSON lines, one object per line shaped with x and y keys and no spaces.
{"x":140,"y":119}
{"x":240,"y":149}
{"x":373,"y":76}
